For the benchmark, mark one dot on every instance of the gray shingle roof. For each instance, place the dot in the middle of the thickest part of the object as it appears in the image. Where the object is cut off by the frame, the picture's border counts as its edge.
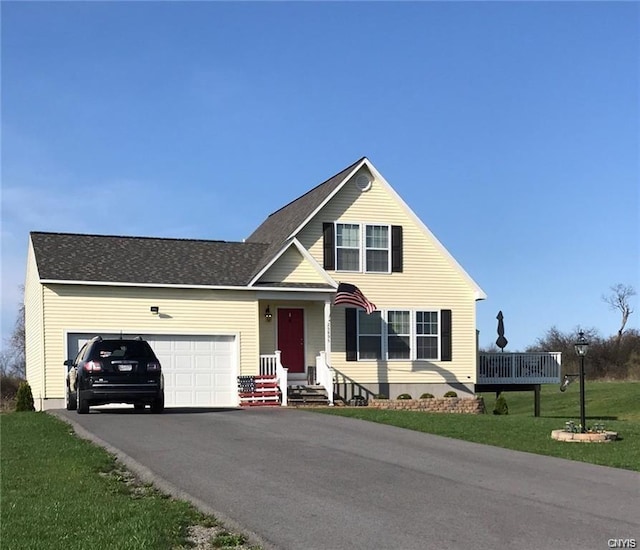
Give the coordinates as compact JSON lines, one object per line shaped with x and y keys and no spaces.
{"x":278,"y":226}
{"x":144,"y":260}
{"x":148,"y":260}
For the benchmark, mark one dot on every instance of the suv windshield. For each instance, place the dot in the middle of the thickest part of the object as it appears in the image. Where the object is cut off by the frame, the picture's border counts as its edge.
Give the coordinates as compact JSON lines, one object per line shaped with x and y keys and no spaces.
{"x":122,"y":349}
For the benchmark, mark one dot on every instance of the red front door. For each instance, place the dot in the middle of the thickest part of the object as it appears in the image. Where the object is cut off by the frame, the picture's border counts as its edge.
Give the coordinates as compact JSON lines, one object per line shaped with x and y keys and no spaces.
{"x":291,"y":338}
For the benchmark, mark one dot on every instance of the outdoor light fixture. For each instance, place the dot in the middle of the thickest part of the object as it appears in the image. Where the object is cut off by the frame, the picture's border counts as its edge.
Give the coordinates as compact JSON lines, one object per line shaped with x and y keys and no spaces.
{"x":155,"y":310}
{"x":267,"y":314}
{"x":582,"y":346}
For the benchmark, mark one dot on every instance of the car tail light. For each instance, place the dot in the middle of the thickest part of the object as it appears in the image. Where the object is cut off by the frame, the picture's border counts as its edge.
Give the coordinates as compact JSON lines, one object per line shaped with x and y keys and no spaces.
{"x":153,"y":366}
{"x":93,"y":366}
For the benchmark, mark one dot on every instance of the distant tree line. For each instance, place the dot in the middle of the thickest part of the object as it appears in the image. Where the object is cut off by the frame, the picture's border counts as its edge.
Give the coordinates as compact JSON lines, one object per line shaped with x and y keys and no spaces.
{"x":614,"y":357}
{"x":12,"y":357}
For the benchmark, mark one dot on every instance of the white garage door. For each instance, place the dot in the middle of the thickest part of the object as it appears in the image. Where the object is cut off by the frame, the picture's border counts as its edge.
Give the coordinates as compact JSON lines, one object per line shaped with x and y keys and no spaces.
{"x":199,"y":371}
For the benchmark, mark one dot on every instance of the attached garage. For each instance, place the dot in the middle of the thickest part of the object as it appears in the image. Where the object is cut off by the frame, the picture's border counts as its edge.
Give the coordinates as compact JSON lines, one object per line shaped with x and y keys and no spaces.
{"x":199,"y":371}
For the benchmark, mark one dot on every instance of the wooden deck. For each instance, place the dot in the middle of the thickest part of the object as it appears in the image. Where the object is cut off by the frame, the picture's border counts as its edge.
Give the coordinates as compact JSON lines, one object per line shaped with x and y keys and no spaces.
{"x":519,"y":368}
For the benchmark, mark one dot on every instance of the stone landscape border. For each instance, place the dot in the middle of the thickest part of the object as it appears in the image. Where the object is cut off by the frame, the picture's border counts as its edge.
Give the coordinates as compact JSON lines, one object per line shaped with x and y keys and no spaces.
{"x":589,"y":437}
{"x":461,"y":405}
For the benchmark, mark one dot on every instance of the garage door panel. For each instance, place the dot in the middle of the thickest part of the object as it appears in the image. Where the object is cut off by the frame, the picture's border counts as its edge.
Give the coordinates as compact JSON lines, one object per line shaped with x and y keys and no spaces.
{"x":199,"y":371}
{"x":182,"y":380}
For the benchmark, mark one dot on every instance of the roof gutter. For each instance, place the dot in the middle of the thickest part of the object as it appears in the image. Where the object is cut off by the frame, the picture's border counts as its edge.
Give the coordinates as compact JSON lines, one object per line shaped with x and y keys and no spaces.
{"x":201,"y":287}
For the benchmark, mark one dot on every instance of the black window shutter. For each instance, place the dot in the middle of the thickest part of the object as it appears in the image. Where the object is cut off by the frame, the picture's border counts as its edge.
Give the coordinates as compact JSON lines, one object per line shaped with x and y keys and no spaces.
{"x":351,"y":331}
{"x":396,"y":248}
{"x":329,"y":252}
{"x":445,"y":335}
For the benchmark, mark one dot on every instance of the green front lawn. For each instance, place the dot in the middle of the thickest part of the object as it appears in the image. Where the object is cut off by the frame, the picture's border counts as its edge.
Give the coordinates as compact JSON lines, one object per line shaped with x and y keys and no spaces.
{"x":615,"y":404}
{"x":62,"y":492}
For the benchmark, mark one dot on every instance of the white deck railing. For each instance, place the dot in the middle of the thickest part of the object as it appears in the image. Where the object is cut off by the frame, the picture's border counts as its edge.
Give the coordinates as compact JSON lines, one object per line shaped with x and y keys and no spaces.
{"x":324,"y":375}
{"x":520,"y":368}
{"x":270,"y":365}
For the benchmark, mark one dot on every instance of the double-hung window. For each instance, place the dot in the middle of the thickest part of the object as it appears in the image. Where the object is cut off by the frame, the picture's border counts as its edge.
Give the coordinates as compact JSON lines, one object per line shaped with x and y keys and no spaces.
{"x":427,"y":334}
{"x":398,"y":334}
{"x":348,"y":246}
{"x":370,"y":335}
{"x":377,"y":245}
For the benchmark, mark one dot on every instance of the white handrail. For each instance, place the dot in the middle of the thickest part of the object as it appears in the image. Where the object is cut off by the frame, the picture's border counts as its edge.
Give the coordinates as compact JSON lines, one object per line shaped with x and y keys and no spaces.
{"x":270,"y":365}
{"x":324,"y":375}
{"x":282,"y":377}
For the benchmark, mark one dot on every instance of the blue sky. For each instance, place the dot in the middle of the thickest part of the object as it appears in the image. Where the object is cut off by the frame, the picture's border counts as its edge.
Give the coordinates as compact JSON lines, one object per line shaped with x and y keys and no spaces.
{"x":510,"y":128}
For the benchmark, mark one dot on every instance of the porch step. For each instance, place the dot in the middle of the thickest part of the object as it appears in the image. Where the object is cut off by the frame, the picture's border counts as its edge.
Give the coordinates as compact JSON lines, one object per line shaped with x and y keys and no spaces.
{"x":259,"y":391}
{"x":307,"y":395}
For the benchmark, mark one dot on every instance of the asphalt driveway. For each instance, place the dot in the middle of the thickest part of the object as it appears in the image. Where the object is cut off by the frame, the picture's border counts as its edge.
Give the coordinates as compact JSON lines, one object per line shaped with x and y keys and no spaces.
{"x":301,"y":480}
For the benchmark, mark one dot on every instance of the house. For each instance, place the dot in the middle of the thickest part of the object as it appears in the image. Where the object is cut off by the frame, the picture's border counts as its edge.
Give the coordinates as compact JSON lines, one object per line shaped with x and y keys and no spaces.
{"x":215,"y":311}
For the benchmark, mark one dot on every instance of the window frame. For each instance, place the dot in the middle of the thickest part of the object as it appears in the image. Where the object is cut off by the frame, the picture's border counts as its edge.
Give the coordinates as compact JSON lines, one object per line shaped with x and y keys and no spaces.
{"x":437,"y":335}
{"x":366,"y":248}
{"x":342,"y":247}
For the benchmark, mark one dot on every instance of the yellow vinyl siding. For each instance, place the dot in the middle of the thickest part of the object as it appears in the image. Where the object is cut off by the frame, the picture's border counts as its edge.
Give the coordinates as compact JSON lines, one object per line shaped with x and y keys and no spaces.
{"x":292,"y":267}
{"x":33,"y":324}
{"x":429,"y":281}
{"x":105,"y":309}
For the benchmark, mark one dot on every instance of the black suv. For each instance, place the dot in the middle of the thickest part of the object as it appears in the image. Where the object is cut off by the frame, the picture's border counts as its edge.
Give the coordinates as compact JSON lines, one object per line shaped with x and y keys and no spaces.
{"x":115,"y":371}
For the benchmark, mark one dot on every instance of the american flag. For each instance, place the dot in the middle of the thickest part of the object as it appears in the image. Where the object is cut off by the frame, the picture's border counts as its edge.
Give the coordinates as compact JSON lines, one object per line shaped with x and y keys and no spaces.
{"x":351,"y":295}
{"x":246,"y":384}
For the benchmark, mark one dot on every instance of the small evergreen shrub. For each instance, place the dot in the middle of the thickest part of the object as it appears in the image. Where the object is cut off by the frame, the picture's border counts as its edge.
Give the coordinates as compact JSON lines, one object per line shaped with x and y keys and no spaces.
{"x":426,"y":396}
{"x":451,"y":394}
{"x":380,"y":396}
{"x":24,"y":398}
{"x":358,"y":401}
{"x":501,"y":406}
{"x":404,"y":396}
{"x":8,"y":390}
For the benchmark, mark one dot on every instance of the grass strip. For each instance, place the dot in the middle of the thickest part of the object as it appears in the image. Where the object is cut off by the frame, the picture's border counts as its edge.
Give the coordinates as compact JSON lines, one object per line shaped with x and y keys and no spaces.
{"x":62,"y":492}
{"x":615,"y":404}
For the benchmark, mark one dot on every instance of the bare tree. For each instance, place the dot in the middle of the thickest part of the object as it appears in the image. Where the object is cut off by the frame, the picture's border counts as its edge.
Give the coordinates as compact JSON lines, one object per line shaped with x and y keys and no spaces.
{"x":619,"y":300}
{"x":12,"y":359}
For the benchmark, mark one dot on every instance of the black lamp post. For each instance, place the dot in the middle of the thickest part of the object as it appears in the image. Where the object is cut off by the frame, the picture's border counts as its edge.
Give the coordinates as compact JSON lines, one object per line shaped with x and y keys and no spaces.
{"x":582,"y":347}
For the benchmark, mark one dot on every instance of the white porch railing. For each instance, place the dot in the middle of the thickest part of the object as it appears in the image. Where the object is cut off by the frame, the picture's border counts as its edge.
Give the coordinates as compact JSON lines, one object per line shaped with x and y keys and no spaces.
{"x":519,"y":368}
{"x":270,"y":365}
{"x":324,"y":375}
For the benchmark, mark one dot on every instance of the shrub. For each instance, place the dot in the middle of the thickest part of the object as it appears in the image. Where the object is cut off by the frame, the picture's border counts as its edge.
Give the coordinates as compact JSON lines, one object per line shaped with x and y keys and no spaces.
{"x":501,"y":406}
{"x":426,"y":396}
{"x":451,"y":393}
{"x":8,"y":390}
{"x":404,"y":396}
{"x":380,"y":396}
{"x":358,"y":401}
{"x":24,"y":398}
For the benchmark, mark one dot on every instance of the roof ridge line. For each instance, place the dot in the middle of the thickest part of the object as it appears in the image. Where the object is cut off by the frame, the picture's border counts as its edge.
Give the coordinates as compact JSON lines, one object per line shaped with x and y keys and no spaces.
{"x":110,"y":236}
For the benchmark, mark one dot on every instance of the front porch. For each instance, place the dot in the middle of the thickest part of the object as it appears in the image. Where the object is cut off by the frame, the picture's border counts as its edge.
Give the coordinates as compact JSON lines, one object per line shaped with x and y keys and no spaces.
{"x":320,"y":377}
